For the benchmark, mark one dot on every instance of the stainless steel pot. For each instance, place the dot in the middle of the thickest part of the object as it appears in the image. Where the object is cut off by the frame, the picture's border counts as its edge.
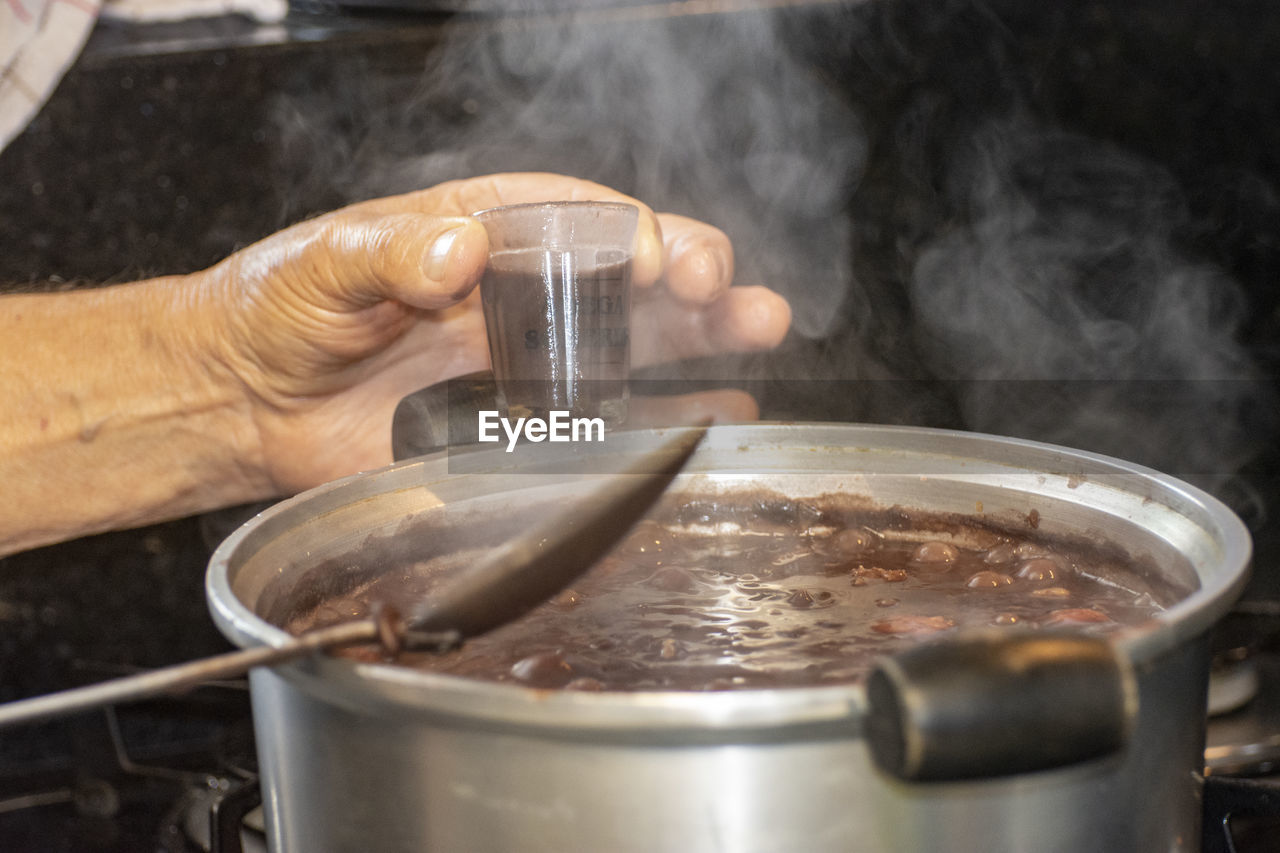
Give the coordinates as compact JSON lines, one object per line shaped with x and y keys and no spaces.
{"x":370,"y":757}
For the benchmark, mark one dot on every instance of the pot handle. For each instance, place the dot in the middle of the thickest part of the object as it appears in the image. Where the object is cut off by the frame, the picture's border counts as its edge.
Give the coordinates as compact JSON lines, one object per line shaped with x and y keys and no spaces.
{"x":998,"y":703}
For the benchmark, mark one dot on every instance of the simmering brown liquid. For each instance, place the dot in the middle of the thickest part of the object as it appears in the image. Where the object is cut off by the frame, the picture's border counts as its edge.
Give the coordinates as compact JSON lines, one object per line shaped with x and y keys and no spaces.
{"x":721,"y":595}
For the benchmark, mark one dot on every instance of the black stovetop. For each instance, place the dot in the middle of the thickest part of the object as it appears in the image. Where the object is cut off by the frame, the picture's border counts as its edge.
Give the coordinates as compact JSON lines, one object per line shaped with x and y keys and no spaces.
{"x":86,"y":611}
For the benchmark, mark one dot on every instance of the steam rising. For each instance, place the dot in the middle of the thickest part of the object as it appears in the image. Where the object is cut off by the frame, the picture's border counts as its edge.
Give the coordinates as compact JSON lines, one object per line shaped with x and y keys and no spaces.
{"x":718,"y":120}
{"x":1064,"y":266}
{"x":1044,"y":255}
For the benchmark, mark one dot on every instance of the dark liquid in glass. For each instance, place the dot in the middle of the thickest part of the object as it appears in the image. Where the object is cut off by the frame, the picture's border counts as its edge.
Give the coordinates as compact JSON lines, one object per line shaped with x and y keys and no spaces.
{"x":559,"y":331}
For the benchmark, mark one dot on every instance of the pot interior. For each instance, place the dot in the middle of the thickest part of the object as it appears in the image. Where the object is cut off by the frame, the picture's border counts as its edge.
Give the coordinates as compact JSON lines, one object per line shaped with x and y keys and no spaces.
{"x":1177,"y":544}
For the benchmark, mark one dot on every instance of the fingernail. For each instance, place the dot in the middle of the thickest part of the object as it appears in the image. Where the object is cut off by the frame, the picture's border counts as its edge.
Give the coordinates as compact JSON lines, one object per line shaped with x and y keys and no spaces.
{"x":438,"y":257}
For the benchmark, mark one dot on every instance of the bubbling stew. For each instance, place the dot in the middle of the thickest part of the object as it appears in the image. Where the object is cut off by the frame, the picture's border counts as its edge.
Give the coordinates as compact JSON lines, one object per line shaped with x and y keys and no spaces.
{"x":741,"y":592}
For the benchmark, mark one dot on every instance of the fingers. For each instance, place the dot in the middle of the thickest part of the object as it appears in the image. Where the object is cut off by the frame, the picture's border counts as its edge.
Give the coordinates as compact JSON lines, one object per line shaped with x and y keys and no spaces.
{"x":699,"y":259}
{"x":478,"y":194}
{"x":742,"y":320}
{"x":423,"y":249}
{"x":471,"y":195}
{"x":420,"y":260}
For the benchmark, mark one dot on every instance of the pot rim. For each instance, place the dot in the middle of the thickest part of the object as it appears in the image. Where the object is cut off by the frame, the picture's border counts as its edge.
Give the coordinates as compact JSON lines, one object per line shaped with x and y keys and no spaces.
{"x":378,"y":687}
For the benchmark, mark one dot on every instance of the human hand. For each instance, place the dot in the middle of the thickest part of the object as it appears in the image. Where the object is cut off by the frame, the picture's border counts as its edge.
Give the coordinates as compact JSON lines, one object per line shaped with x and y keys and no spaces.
{"x":326,"y":325}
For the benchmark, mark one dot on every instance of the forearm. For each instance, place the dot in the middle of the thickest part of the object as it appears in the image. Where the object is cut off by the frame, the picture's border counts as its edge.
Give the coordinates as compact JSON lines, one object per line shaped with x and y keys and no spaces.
{"x":280,"y":367}
{"x":114,"y":413}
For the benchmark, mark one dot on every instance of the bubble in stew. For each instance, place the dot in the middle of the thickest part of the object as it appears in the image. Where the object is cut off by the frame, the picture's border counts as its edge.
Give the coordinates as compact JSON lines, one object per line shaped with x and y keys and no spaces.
{"x":760,"y":591}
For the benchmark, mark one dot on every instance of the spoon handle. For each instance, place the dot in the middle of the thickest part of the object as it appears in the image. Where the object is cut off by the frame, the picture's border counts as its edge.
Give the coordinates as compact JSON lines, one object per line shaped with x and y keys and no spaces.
{"x":183,"y":676}
{"x":520,"y":576}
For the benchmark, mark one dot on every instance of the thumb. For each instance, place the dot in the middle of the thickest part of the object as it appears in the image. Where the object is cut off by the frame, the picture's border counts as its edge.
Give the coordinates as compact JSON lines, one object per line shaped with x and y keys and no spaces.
{"x":421,"y":260}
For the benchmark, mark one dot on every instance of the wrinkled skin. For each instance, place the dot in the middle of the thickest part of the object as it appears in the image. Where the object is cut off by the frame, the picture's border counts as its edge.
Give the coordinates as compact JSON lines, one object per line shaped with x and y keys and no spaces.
{"x":328,"y":324}
{"x":280,"y":368}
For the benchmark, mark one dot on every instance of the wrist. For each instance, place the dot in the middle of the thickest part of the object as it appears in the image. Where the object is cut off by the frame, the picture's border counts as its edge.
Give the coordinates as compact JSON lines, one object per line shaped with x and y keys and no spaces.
{"x":195,"y":339}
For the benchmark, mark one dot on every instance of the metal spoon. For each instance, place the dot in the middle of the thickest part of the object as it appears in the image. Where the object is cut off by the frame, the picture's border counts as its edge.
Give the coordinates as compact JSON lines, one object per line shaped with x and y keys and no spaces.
{"x":513,"y":580}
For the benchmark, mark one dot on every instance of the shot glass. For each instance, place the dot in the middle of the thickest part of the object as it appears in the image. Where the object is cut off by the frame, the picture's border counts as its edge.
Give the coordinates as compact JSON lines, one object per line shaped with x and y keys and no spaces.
{"x":557,"y":307}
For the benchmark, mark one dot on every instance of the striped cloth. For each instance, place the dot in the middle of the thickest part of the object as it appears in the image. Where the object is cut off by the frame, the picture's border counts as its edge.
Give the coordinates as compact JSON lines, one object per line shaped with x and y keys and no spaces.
{"x":39,"y":39}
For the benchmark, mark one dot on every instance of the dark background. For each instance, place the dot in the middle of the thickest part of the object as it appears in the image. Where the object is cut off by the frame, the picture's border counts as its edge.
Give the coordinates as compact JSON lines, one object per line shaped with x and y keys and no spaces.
{"x":166,"y":148}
